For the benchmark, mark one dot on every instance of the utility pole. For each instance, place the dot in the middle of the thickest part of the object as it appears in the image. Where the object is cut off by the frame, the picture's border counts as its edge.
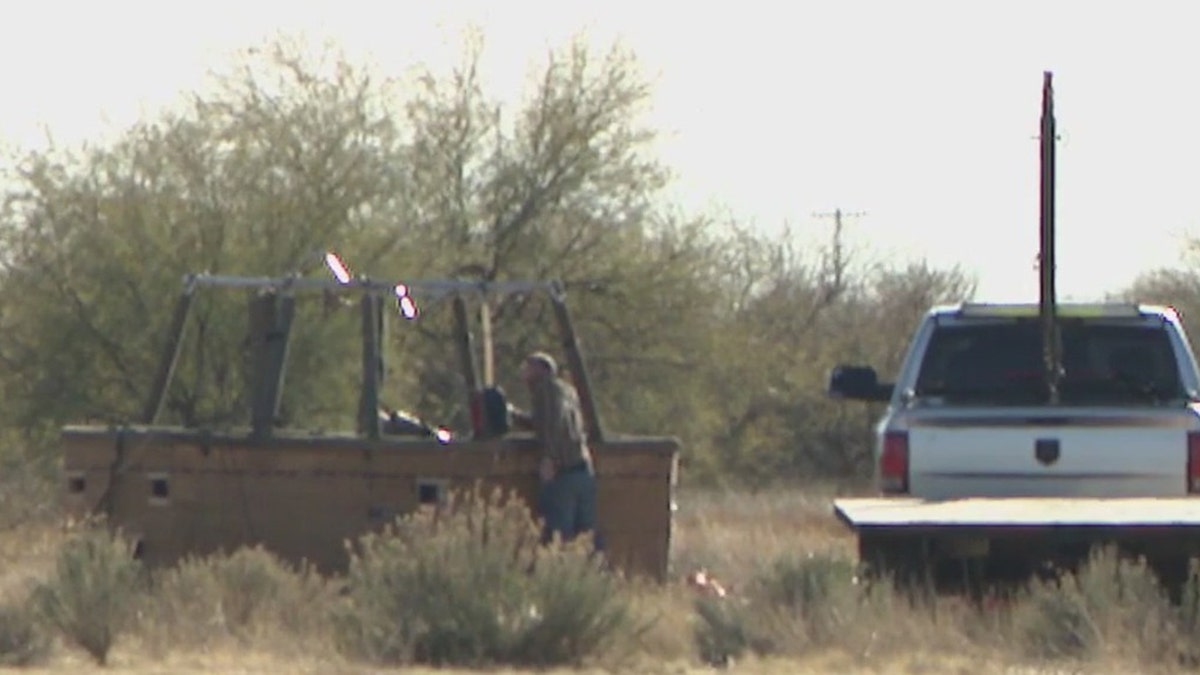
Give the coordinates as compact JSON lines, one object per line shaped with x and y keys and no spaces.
{"x":838,"y":253}
{"x":839,"y":270}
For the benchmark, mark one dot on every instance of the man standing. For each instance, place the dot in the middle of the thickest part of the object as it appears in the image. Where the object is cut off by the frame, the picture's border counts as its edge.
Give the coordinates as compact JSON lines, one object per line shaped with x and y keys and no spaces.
{"x":567,"y":498}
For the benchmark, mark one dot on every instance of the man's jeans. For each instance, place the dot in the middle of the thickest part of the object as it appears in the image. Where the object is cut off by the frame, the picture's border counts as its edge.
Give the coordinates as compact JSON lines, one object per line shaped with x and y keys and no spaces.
{"x":568,"y":504}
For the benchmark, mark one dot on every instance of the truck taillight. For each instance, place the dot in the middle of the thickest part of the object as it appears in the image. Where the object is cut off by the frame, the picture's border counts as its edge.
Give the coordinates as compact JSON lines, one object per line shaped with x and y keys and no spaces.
{"x":893,"y":463}
{"x":1193,"y":461}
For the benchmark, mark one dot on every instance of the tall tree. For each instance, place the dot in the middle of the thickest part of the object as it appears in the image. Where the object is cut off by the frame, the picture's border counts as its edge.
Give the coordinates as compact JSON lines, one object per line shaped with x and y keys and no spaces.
{"x":257,"y":177}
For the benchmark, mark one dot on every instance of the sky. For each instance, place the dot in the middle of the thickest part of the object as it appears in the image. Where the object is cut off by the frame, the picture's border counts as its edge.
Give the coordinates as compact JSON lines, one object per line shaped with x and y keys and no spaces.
{"x":919,"y":118}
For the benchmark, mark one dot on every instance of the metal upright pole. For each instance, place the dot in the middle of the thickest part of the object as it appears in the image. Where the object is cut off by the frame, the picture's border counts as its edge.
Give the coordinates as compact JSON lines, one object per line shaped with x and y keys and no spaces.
{"x":271,"y":318}
{"x":1051,"y":349}
{"x":574,"y":352}
{"x":368,"y":407}
{"x":170,"y":357}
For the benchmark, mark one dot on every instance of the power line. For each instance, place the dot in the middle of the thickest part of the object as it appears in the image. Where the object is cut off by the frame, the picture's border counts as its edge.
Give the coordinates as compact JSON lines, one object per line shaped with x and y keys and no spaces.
{"x":837,"y":215}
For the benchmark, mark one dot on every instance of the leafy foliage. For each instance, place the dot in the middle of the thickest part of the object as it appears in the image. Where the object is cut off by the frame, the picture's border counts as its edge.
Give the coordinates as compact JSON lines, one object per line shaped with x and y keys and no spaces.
{"x":691,"y":327}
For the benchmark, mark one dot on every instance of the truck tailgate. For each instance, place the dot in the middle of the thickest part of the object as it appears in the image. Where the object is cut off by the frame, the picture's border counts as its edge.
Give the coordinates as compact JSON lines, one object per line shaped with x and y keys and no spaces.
{"x":1043,"y":455}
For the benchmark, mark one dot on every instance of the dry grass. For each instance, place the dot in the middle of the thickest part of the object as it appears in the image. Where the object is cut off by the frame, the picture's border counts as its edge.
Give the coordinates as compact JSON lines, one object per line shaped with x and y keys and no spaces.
{"x":805,"y":613}
{"x":734,"y":535}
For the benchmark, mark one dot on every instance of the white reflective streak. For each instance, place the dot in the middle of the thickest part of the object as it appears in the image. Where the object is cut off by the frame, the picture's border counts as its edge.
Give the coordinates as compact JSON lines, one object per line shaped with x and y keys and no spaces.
{"x":335,"y":265}
{"x":408,"y":308}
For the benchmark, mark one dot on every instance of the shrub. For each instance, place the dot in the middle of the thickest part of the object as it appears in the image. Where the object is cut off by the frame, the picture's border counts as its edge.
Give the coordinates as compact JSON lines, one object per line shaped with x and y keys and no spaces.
{"x":722,"y":631}
{"x":1055,"y":622}
{"x":1113,"y":606}
{"x":236,"y":595}
{"x":92,"y":593}
{"x":469,"y":584}
{"x":819,"y":589}
{"x":23,"y":640}
{"x":579,"y":609}
{"x":794,"y":601}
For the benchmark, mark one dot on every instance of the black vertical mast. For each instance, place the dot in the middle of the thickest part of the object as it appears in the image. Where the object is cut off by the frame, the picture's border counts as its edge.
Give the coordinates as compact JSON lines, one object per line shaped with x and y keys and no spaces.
{"x":1050,"y":344}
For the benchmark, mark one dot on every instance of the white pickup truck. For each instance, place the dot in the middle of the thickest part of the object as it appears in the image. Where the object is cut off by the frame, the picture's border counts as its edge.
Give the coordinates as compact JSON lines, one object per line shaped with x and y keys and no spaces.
{"x":980,"y":470}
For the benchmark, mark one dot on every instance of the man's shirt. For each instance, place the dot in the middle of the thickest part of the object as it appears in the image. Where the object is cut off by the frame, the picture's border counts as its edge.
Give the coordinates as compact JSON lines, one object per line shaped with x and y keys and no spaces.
{"x":558,"y":423}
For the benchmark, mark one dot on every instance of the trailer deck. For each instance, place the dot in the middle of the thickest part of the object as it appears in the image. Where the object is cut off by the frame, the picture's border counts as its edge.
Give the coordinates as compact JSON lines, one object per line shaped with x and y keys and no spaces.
{"x":1020,"y":512}
{"x":1011,"y":537}
{"x":977,"y":540}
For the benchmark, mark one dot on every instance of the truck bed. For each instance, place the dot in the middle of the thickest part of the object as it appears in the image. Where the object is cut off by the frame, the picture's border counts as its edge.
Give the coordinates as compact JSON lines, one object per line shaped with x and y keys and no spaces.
{"x":1017,"y":512}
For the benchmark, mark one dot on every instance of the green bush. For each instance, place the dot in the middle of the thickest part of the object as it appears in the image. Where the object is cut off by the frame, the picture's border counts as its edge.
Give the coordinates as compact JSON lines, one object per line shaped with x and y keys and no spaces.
{"x":1112,"y":606}
{"x":819,"y":589}
{"x":1055,"y":621}
{"x":237,"y":595}
{"x":92,"y":594}
{"x":579,"y":609}
{"x":470,"y":584}
{"x":722,"y":630}
{"x":23,"y":640}
{"x":794,"y":602}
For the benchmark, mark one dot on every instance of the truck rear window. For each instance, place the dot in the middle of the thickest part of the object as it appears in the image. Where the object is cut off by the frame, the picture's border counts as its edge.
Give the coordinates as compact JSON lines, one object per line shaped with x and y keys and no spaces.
{"x":1000,"y":363}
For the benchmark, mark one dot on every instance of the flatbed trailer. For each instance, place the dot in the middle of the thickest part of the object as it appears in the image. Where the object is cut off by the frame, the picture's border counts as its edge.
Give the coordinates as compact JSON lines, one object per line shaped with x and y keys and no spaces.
{"x":1013,"y":537}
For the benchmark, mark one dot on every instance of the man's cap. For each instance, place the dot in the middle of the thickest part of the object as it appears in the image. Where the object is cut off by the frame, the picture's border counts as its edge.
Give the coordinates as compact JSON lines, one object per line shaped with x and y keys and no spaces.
{"x":545,"y":360}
